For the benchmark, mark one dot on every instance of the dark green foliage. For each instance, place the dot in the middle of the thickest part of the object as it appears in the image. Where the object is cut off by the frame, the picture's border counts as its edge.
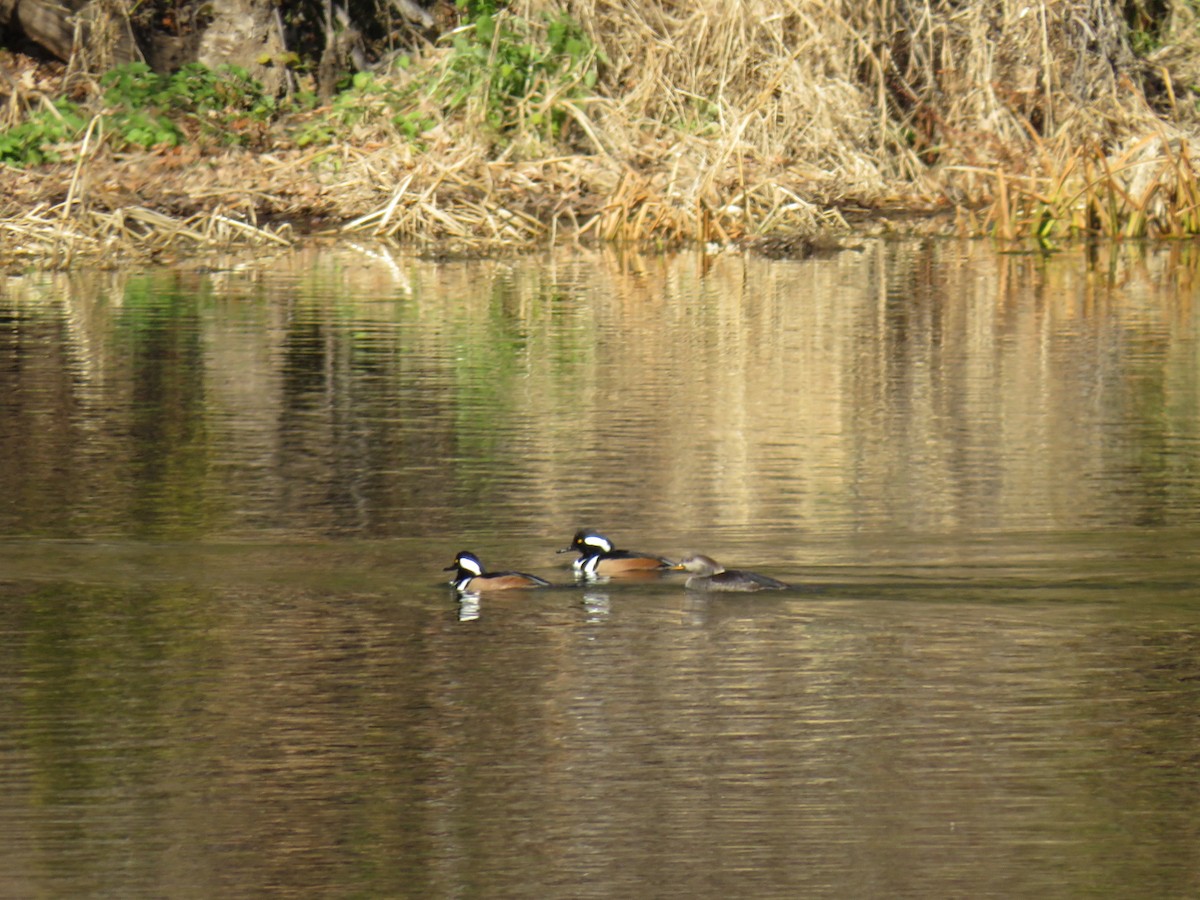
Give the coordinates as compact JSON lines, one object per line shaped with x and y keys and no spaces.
{"x":519,"y":70}
{"x":34,"y":141}
{"x":1146,"y":20}
{"x":505,"y":73}
{"x":473,"y":9}
{"x":141,"y":108}
{"x":146,"y":109}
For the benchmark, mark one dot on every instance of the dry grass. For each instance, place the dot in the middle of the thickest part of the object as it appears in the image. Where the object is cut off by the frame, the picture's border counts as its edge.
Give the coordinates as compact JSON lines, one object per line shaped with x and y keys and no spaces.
{"x":1149,"y":188}
{"x":713,"y":122}
{"x":730,"y":122}
{"x":56,"y":239}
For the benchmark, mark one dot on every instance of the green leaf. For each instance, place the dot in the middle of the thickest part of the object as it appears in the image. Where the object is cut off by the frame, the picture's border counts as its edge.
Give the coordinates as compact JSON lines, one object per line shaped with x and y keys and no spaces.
{"x":485,"y":28}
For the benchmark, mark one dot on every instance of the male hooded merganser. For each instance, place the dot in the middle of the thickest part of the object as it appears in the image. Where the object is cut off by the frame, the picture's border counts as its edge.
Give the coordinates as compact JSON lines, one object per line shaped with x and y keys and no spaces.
{"x":706,"y":574}
{"x":598,"y":557}
{"x":469,"y":576}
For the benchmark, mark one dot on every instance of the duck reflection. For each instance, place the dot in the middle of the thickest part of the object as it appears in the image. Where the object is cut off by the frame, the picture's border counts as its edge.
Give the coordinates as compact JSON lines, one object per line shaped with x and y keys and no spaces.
{"x":468,"y":607}
{"x":597,"y":606}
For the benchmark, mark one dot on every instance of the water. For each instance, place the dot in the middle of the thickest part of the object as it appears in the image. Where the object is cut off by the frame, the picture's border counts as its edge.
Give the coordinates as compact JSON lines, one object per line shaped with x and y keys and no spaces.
{"x":231,"y":665}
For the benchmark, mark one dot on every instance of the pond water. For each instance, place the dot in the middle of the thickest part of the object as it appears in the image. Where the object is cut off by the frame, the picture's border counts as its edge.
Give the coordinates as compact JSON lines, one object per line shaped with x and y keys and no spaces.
{"x":231,"y":664}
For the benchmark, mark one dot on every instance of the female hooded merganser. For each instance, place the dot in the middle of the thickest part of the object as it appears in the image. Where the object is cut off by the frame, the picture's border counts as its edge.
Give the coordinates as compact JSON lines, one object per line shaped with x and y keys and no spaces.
{"x":706,"y":574}
{"x":598,"y":557}
{"x":469,"y":576}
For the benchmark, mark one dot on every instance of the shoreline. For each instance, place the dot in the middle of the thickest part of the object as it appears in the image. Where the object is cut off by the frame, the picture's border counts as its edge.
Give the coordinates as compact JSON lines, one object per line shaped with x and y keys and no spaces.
{"x":121,"y":207}
{"x":111,"y":209}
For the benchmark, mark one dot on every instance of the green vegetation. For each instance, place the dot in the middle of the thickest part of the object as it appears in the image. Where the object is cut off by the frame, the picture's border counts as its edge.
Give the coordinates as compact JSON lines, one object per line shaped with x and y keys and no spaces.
{"x":41,"y":136}
{"x":141,"y":108}
{"x":510,"y":72}
{"x":503,"y":72}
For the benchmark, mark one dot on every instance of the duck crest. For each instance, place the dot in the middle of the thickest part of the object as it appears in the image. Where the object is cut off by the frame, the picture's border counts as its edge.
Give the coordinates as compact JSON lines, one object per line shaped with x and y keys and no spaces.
{"x":468,"y":563}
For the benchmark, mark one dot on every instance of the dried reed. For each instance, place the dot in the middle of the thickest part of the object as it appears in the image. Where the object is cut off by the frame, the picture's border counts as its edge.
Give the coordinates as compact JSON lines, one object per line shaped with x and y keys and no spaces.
{"x":1147,"y":189}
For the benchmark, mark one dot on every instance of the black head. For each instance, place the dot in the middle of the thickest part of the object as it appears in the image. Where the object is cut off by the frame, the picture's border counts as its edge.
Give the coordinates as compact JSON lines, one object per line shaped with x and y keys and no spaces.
{"x":587,"y":541}
{"x":465,"y":563}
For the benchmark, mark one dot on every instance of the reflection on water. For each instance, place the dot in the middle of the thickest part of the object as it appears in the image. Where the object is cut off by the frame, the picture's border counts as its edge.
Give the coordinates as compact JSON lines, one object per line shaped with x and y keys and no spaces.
{"x":930,"y":388}
{"x":230,"y":664}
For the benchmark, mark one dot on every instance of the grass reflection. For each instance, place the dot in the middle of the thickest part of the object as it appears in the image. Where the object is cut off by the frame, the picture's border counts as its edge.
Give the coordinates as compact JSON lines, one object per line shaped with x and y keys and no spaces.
{"x":923,"y":385}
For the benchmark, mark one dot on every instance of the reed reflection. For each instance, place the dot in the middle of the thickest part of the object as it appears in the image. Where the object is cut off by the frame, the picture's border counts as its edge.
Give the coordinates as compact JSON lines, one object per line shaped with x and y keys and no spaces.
{"x":918,"y":386}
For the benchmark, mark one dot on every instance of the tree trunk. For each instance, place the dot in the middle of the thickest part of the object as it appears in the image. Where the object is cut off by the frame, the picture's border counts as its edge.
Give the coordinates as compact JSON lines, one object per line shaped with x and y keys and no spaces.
{"x":241,"y":32}
{"x":244,"y":33}
{"x":100,"y":29}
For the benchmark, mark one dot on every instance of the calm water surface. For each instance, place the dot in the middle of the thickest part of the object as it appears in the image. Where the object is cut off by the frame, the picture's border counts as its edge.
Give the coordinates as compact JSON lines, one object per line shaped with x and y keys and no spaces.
{"x":231,"y":665}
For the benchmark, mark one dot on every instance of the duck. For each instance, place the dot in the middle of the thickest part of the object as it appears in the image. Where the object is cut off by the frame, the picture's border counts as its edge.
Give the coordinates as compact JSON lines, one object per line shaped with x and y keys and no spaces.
{"x":706,"y":574}
{"x":471,"y":577}
{"x":598,"y":557}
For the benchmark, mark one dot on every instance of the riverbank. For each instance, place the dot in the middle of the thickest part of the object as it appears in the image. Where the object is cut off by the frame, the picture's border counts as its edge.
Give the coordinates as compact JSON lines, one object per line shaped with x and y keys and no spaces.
{"x":175,"y":200}
{"x":750,"y":128}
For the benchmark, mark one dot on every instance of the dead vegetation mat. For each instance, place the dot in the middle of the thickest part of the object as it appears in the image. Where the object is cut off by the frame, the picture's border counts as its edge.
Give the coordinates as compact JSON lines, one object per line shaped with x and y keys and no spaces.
{"x":112,"y":206}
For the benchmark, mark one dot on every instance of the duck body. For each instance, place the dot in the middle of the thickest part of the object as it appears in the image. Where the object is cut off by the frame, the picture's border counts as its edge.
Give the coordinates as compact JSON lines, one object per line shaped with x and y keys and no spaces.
{"x":470,"y":577}
{"x":706,"y":574}
{"x":599,"y":558}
